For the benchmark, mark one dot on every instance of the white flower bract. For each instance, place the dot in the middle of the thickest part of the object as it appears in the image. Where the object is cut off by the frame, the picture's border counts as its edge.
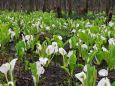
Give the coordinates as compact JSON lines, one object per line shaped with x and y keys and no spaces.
{"x":85,"y":68}
{"x":69,"y":53}
{"x":84,"y":46}
{"x":5,"y":68}
{"x":104,"y":82}
{"x":40,"y":69}
{"x":60,"y":37}
{"x":104,"y":49}
{"x":103,"y":72}
{"x":8,"y":66}
{"x":111,"y":41}
{"x":70,"y":43}
{"x":43,"y":60}
{"x":81,"y":76}
{"x":50,"y":50}
{"x":62,"y":51}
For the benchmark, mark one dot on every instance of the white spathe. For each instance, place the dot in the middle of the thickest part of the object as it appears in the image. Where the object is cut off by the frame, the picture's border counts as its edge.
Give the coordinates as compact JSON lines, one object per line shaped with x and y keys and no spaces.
{"x":104,"y":82}
{"x":29,"y":38}
{"x":111,"y":41}
{"x":8,"y":66}
{"x":70,"y":42}
{"x":77,"y":25}
{"x":88,"y":24}
{"x":43,"y":60}
{"x":47,"y":28}
{"x":111,"y":24}
{"x":85,"y":68}
{"x":104,"y":49}
{"x":12,"y":64}
{"x":53,"y":25}
{"x":56,"y":49}
{"x":12,"y":34}
{"x":39,"y":66}
{"x":103,"y":72}
{"x":54,"y":44}
{"x":83,"y":31}
{"x":50,"y":50}
{"x":103,"y":38}
{"x":84,"y":46}
{"x":91,"y":51}
{"x":80,"y":41}
{"x":81,"y":76}
{"x":60,"y":37}
{"x":73,"y":31}
{"x":40,"y":69}
{"x":70,"y":53}
{"x":62,"y":51}
{"x":5,"y":68}
{"x":95,"y":47}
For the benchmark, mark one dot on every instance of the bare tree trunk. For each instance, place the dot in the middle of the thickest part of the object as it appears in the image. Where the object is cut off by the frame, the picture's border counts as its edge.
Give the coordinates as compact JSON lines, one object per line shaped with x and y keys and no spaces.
{"x":86,"y":8}
{"x":45,"y":5}
{"x":69,"y":7}
{"x":36,"y":4}
{"x":109,"y":9}
{"x":107,"y":6}
{"x":113,"y":4}
{"x":31,"y":5}
{"x":22,"y":5}
{"x":59,"y":14}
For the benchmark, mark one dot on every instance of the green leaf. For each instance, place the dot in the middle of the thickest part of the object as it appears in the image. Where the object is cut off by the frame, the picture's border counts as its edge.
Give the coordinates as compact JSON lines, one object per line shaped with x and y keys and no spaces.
{"x":113,"y":84}
{"x":73,"y":41}
{"x":72,"y":63}
{"x":59,"y":42}
{"x":91,"y":57}
{"x":112,"y":51}
{"x":111,"y":60}
{"x":100,"y":56}
{"x":33,"y":69}
{"x":83,"y":36}
{"x":95,"y":29}
{"x":19,"y":49}
{"x":66,"y":69}
{"x":91,"y":76}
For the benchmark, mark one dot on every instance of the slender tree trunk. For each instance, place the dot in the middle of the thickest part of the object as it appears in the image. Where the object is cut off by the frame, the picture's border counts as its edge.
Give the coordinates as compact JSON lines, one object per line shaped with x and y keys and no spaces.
{"x":109,"y":11}
{"x":58,"y":7}
{"x":65,"y":9}
{"x":45,"y":5}
{"x":107,"y":6}
{"x":113,"y":4}
{"x":86,"y":1}
{"x":36,"y":3}
{"x":69,"y":7}
{"x":31,"y":5}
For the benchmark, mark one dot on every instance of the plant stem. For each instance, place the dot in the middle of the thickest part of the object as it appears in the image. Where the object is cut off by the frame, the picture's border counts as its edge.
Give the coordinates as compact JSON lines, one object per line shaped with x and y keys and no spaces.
{"x":6,"y":78}
{"x":11,"y":75}
{"x":70,"y":82}
{"x":50,"y":60}
{"x":64,"y":61}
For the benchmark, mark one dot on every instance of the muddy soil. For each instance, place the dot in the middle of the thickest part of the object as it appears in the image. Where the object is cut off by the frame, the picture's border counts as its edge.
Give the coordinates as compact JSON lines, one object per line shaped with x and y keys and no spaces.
{"x":54,"y":75}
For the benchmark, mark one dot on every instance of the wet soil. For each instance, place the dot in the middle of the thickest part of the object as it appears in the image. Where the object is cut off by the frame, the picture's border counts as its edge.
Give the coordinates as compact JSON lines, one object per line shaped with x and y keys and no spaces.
{"x":54,"y":75}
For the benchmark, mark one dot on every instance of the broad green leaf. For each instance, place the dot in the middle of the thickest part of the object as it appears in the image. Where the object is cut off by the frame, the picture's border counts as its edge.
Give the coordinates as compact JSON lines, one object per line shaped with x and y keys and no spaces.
{"x":91,"y":57}
{"x":113,"y":84}
{"x":91,"y":76}
{"x":72,"y":62}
